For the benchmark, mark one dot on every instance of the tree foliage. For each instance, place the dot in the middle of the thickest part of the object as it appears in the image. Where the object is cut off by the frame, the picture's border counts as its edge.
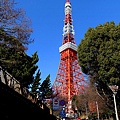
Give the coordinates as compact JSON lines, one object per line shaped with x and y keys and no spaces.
{"x":9,"y":45}
{"x":35,"y":87}
{"x":45,"y":89}
{"x":99,"y":53}
{"x":23,"y":67}
{"x":99,"y":57}
{"x":15,"y":34}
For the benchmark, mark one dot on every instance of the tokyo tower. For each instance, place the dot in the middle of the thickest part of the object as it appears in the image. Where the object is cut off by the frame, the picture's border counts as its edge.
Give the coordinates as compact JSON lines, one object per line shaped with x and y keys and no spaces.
{"x":69,"y":80}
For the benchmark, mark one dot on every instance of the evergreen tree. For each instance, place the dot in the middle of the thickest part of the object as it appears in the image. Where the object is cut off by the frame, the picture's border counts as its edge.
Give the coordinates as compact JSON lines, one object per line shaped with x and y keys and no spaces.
{"x":25,"y":68}
{"x":19,"y":65}
{"x":15,"y":34}
{"x":45,"y":88}
{"x":99,"y":53}
{"x":9,"y":47}
{"x":35,"y":87}
{"x":99,"y":57}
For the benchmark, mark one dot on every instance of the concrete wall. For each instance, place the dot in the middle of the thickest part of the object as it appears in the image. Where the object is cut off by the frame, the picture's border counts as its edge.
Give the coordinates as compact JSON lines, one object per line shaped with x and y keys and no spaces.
{"x":15,"y":106}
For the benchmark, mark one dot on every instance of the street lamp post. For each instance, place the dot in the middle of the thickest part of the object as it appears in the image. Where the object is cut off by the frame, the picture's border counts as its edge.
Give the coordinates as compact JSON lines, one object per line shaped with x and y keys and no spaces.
{"x":114,"y":89}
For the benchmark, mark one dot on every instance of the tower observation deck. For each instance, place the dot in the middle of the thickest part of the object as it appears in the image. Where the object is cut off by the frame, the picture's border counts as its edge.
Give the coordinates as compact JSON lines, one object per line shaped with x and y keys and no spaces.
{"x":69,"y":80}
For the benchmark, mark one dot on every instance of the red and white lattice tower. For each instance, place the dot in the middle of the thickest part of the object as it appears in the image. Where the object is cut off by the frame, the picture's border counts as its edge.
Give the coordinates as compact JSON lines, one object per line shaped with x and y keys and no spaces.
{"x":69,"y":80}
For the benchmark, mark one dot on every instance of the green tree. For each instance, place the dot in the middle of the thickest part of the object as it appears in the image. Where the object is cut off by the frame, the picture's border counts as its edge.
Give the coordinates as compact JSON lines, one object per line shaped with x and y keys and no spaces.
{"x":35,"y":87}
{"x":15,"y":34}
{"x":9,"y":46}
{"x":99,"y":53}
{"x":20,"y":65}
{"x":25,"y":68}
{"x":99,"y":57}
{"x":46,"y":89}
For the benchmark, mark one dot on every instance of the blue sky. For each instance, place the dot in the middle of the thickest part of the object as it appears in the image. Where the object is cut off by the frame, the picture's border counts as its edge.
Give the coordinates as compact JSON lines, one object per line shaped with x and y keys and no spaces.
{"x":47,"y":18}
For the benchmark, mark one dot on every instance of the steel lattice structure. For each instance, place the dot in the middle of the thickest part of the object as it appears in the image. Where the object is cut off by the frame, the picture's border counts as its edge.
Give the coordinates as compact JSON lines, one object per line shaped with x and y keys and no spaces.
{"x":69,"y":80}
